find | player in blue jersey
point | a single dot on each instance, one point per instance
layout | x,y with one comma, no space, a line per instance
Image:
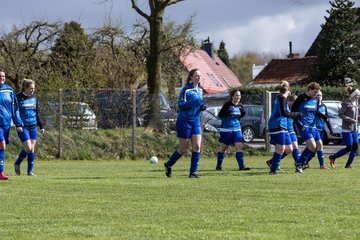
350,137
278,126
29,114
230,131
307,103
292,134
188,125
321,119
8,112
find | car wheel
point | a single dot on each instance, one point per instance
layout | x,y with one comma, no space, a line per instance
248,134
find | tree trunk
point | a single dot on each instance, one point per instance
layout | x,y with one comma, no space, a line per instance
154,69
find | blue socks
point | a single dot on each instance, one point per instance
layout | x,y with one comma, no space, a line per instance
31,160
240,159
320,155
275,161
352,155
195,159
283,155
296,154
173,159
306,154
340,153
220,158
21,157
2,158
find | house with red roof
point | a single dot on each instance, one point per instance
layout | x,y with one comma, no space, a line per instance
295,70
215,75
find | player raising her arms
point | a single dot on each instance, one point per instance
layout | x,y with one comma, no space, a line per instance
230,131
188,124
350,137
307,103
278,126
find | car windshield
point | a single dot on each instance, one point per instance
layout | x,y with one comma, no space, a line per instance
76,109
164,104
332,111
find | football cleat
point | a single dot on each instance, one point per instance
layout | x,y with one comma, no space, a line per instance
3,176
332,162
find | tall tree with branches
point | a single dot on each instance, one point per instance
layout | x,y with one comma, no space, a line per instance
154,61
338,45
23,51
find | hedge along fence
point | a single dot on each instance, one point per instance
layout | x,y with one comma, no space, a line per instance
256,95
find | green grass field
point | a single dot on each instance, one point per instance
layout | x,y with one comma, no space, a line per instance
134,200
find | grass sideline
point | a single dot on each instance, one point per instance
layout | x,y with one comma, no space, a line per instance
134,200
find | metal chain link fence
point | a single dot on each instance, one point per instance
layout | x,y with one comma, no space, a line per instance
102,109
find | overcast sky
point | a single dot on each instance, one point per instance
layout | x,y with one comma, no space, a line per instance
244,25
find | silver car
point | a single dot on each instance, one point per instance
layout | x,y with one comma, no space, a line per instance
74,115
333,108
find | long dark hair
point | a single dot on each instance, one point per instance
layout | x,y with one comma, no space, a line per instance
191,73
233,91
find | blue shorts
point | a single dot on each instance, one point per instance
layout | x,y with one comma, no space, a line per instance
280,138
185,128
308,133
28,133
321,134
349,138
4,134
230,138
293,137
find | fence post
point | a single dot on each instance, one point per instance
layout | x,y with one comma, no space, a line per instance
60,136
267,114
133,132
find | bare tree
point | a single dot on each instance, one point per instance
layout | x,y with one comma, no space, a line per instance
24,49
155,20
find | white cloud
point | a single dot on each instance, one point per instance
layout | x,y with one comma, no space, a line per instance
272,33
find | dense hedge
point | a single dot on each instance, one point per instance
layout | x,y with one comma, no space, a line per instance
256,95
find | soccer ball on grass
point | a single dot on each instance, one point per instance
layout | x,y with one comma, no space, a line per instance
154,160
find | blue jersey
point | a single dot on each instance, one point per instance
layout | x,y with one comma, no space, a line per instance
290,125
309,107
8,107
189,103
322,118
28,109
279,114
230,115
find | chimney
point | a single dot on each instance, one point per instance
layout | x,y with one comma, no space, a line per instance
290,48
208,47
291,54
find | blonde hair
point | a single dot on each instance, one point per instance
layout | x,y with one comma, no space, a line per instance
25,83
292,97
350,89
283,87
353,92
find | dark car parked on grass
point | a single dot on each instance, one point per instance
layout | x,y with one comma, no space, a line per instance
114,108
252,124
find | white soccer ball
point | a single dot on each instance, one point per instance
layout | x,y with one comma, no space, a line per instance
154,160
